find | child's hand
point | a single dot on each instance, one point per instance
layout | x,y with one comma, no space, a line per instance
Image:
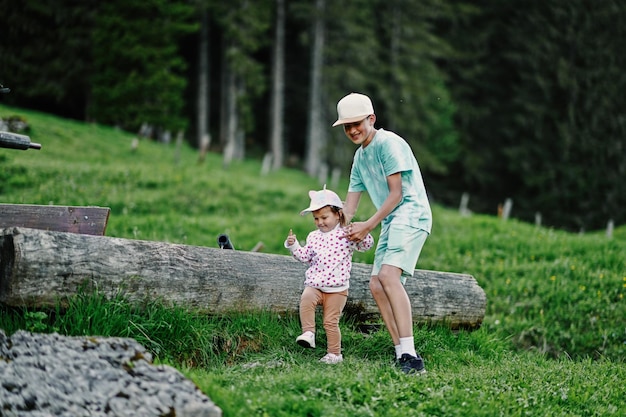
291,238
356,232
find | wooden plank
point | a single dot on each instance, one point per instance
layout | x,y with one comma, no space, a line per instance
40,268
90,220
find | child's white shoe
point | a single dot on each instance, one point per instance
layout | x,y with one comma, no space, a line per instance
306,339
331,358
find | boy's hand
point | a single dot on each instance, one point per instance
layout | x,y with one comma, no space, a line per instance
356,232
291,238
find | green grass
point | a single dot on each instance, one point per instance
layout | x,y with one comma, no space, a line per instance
515,385
553,340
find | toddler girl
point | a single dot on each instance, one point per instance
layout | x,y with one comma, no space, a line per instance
329,255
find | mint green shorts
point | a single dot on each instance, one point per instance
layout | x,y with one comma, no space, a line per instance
399,246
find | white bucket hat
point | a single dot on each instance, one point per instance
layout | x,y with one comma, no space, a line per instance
321,199
353,108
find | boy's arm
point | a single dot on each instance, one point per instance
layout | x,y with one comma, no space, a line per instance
351,204
358,231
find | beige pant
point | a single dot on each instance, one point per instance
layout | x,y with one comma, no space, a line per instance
332,305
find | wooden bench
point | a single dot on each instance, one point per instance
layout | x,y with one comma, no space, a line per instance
89,220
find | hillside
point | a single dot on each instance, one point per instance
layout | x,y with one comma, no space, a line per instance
553,341
550,290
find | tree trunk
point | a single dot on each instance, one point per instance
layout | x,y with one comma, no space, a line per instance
202,135
40,268
224,96
230,90
239,133
316,127
278,88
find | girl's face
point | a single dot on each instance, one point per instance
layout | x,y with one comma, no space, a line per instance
325,219
361,133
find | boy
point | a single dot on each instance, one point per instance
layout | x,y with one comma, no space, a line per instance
384,166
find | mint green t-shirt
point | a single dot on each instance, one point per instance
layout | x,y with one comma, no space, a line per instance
385,155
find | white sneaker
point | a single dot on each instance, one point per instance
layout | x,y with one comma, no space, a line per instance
306,339
332,358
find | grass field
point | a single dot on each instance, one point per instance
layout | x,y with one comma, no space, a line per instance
553,341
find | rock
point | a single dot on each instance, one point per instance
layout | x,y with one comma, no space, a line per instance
55,375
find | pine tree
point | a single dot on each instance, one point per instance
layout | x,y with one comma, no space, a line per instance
538,89
138,73
277,99
45,54
244,25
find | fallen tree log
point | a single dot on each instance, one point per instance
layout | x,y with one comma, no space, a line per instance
41,268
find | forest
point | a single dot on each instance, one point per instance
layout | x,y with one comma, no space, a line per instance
520,99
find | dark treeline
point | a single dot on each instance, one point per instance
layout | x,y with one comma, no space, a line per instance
515,99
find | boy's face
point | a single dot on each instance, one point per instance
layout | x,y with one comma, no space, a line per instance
362,132
325,219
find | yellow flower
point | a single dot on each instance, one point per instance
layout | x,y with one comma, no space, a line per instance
582,288
552,278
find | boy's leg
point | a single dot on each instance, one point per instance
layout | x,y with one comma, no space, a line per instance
398,299
408,359
309,300
333,307
393,302
398,249
384,306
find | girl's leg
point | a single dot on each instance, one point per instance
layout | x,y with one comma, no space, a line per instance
309,300
333,307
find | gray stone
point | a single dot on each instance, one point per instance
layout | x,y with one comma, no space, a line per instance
54,375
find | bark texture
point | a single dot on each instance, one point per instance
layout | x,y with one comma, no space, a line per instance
40,268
